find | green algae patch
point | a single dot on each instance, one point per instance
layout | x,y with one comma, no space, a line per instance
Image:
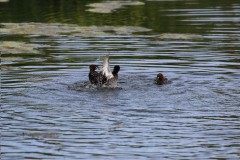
9,59
12,47
89,31
176,36
4,1
129,30
110,30
110,6
58,29
8,68
42,29
93,31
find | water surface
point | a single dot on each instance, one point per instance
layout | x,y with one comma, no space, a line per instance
45,114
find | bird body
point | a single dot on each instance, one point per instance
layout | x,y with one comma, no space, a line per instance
105,78
109,78
93,74
160,79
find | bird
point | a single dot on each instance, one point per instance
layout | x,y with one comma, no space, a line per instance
108,78
160,79
115,71
93,74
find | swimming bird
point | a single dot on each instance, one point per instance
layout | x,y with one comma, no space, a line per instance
115,71
107,77
160,79
93,74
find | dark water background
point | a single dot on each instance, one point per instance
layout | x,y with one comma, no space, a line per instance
46,115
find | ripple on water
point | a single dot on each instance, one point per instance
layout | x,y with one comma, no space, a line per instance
49,110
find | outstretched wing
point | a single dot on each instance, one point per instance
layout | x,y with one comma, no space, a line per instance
106,68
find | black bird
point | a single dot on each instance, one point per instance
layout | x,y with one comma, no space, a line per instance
93,74
160,79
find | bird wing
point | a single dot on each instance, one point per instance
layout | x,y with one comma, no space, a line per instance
106,68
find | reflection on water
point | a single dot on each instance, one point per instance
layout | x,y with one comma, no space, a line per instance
46,114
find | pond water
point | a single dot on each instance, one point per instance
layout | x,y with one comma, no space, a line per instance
47,47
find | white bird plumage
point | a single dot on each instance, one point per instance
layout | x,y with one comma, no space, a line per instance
106,68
